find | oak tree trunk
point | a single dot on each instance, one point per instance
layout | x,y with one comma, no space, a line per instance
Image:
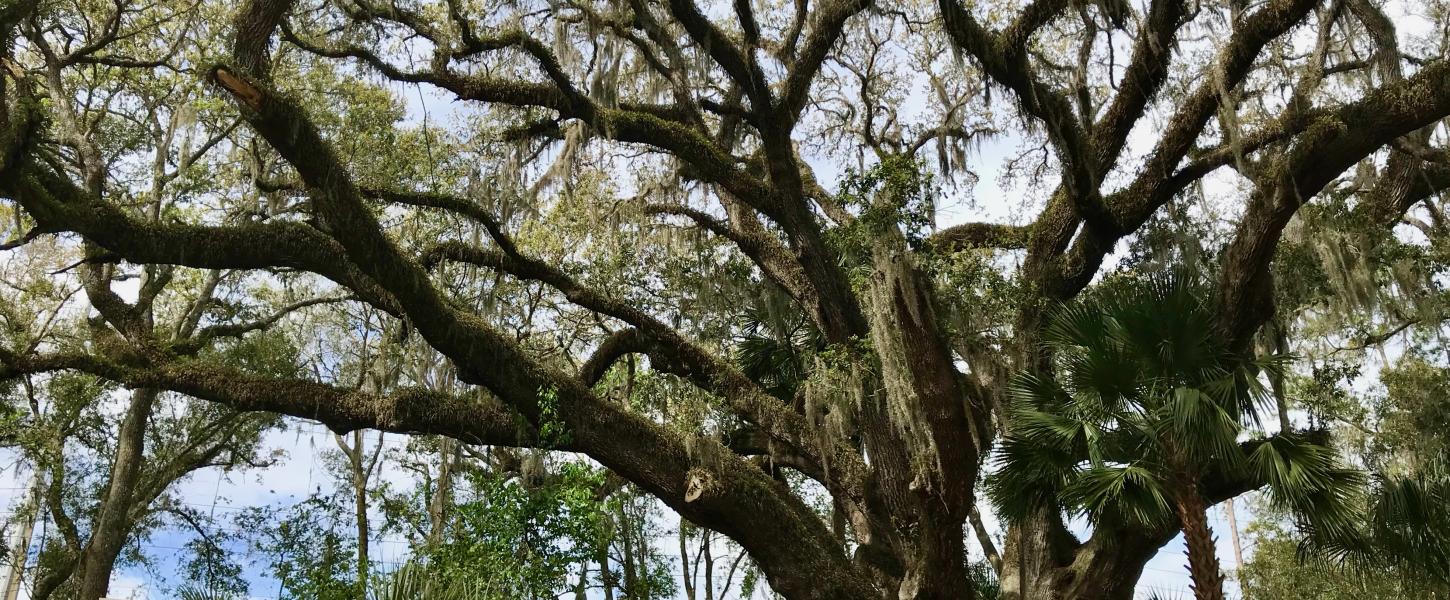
108,537
360,512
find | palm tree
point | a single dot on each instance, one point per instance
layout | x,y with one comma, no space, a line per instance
1405,532
1142,405
205,593
417,581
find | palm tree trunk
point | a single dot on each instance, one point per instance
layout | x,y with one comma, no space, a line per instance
1203,565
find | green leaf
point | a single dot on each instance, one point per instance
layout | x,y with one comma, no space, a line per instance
1130,493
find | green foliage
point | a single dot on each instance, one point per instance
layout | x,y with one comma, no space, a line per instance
1276,571
1325,392
641,571
1413,417
983,301
984,581
1403,530
1398,535
894,197
210,569
1308,478
773,346
305,547
420,581
189,592
1144,396
553,432
515,541
1409,523
271,352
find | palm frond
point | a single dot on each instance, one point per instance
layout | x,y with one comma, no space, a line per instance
188,592
1410,522
1081,325
774,364
1200,426
1027,478
1129,493
416,581
1030,390
1309,479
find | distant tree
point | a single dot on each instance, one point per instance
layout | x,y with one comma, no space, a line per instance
306,548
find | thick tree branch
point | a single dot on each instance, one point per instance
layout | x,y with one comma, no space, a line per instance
768,253
669,352
980,235
1325,150
1007,64
58,206
613,348
737,63
1156,184
211,333
739,505
1142,80
827,25
1132,205
472,419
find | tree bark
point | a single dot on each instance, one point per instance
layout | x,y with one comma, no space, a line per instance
708,565
627,562
360,512
685,578
361,473
113,524
1203,565
606,577
443,490
21,551
1233,532
581,586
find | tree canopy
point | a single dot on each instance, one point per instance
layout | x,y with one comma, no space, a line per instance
718,250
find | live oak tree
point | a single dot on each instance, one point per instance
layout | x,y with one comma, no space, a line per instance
106,480
679,149
106,460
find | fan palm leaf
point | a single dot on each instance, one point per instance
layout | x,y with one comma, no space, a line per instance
1142,403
